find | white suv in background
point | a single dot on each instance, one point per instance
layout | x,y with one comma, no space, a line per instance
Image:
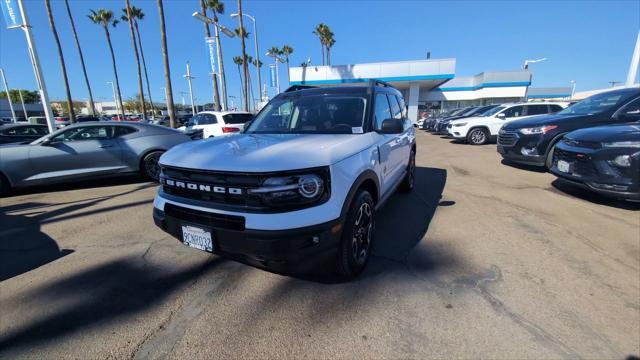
216,123
479,130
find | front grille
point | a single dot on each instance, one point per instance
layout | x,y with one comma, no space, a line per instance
206,219
582,165
507,137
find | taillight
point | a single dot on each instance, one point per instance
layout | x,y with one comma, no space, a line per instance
229,129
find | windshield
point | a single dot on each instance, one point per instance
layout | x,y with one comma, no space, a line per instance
493,111
594,104
315,114
470,112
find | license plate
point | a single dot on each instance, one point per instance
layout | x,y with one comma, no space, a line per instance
564,166
197,238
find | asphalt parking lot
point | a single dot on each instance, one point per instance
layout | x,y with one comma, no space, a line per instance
481,260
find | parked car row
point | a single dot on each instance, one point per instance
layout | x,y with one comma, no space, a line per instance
594,143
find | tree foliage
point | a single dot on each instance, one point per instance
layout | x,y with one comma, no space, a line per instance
30,97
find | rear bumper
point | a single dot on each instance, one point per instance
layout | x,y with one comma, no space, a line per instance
286,251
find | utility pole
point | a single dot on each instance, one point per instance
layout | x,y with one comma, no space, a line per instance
6,89
24,109
189,77
115,99
635,62
245,66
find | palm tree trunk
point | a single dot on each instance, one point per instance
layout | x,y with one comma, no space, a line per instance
245,66
328,56
115,70
84,68
72,114
321,44
135,51
144,65
288,78
167,71
242,90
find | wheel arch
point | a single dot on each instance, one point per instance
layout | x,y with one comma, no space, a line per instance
367,180
144,154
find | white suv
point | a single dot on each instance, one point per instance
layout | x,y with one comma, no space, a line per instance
299,187
216,123
479,130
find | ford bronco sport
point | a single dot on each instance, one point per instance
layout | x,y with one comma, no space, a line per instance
299,186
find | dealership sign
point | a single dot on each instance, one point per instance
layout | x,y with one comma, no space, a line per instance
210,44
11,13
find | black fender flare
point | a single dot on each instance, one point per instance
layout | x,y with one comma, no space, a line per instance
367,175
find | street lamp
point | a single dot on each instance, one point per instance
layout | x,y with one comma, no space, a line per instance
217,28
276,59
115,99
525,66
189,77
255,38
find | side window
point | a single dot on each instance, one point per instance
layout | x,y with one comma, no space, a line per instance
85,133
403,107
395,107
514,111
122,130
42,130
211,119
631,111
537,109
554,108
382,112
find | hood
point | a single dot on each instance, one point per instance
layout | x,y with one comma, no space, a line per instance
626,132
541,120
266,152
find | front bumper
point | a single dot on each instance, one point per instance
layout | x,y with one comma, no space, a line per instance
286,251
511,144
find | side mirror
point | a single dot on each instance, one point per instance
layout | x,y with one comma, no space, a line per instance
501,116
392,126
46,142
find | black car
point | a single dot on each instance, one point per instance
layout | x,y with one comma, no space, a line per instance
21,133
441,128
531,141
603,159
431,126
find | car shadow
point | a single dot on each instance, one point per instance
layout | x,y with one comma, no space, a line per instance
538,169
82,184
567,188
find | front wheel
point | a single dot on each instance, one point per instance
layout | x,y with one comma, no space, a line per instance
478,136
549,159
150,166
355,245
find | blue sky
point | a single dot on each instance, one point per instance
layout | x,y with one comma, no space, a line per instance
587,41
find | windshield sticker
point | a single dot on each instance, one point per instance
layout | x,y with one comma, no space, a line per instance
357,130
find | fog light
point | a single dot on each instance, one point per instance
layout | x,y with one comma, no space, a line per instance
529,152
622,161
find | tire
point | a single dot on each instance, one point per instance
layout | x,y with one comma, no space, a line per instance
548,162
477,136
150,167
4,186
357,235
407,183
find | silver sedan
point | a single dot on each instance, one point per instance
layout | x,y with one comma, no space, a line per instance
87,150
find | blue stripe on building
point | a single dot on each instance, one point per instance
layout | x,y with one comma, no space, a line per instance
484,85
364,80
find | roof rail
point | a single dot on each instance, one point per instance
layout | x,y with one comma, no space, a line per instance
299,87
376,82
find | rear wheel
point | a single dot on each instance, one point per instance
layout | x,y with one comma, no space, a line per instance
4,185
150,166
355,245
478,136
409,178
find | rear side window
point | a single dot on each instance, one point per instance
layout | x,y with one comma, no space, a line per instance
236,118
537,109
383,111
555,108
395,107
209,119
123,130
514,111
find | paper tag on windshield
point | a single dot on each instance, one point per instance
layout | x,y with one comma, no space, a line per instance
357,130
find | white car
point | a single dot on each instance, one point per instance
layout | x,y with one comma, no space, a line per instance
216,123
478,130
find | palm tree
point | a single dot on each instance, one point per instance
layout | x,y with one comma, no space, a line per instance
216,7
329,43
84,68
72,114
167,71
238,61
129,18
245,66
320,32
286,51
137,14
105,18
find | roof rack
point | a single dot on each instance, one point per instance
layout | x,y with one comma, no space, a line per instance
376,82
299,87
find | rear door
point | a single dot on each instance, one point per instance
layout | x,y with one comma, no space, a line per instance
75,153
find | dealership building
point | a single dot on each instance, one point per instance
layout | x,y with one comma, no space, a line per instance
432,84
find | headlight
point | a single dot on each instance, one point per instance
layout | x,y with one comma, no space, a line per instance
621,161
294,191
622,144
459,124
538,130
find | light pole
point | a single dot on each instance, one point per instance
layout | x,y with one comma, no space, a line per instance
217,28
189,77
525,66
232,104
24,109
573,88
276,59
6,89
255,38
115,99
